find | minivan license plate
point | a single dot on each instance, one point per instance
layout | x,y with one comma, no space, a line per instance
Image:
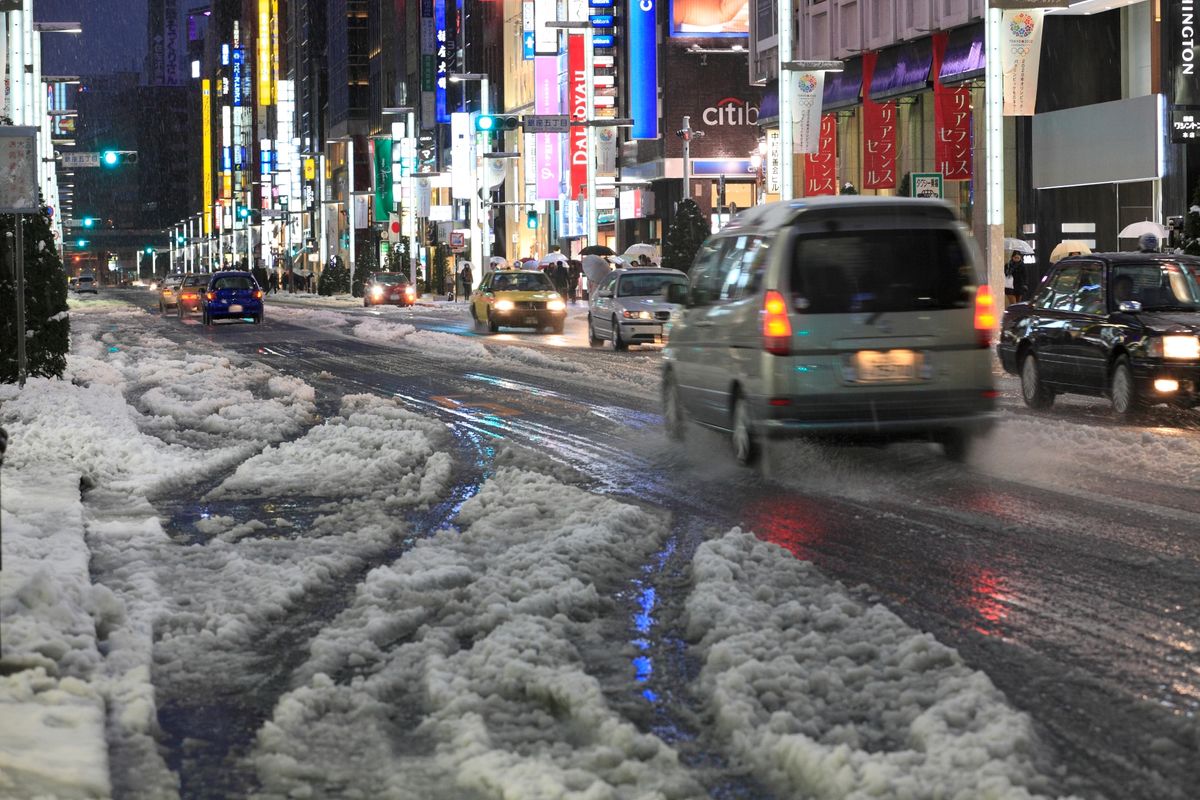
235,309
886,366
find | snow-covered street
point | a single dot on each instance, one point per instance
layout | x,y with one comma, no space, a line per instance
368,553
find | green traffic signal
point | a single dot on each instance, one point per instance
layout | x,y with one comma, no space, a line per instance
110,158
116,158
243,212
491,123
81,243
149,250
531,220
89,222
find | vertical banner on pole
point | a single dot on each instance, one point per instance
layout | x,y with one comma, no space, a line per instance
774,161
879,134
808,95
577,88
951,120
643,68
1020,58
462,156
820,168
384,202
549,145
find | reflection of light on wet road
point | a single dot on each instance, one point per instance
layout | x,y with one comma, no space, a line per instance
989,598
789,521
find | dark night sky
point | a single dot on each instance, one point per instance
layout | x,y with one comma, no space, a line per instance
113,38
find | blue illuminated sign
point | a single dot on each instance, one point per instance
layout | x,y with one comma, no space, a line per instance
601,20
528,44
601,3
226,159
603,40
441,59
643,69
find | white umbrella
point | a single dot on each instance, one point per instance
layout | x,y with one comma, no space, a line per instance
496,262
595,268
1139,229
553,258
1067,247
640,249
1019,245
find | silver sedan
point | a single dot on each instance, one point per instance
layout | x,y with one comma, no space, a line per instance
629,306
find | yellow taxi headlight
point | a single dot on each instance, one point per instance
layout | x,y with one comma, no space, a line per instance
504,305
1181,347
556,305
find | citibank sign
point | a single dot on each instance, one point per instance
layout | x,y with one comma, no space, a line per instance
730,111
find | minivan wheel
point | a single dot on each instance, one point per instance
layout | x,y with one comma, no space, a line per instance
956,445
1033,391
593,339
1123,391
673,414
745,447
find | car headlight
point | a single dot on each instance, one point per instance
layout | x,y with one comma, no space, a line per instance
556,305
504,305
637,315
1182,347
376,291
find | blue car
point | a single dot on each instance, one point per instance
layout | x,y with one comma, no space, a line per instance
233,295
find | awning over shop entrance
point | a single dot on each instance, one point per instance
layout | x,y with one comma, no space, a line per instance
965,57
842,89
902,70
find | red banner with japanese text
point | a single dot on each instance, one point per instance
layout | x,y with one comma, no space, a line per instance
577,79
879,134
951,121
820,168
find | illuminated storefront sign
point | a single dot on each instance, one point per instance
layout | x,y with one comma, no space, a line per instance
207,145
549,145
577,87
643,69
264,53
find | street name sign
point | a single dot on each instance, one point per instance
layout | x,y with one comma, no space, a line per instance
79,160
546,123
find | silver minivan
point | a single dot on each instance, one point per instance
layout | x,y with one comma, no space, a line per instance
863,318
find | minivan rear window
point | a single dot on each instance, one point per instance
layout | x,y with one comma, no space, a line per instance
881,271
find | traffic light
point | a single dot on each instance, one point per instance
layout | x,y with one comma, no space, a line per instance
149,250
243,212
116,158
89,222
180,240
531,220
497,123
81,242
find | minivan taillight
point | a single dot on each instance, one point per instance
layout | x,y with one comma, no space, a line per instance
258,294
211,295
985,315
776,327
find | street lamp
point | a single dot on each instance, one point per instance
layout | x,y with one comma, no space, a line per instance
787,69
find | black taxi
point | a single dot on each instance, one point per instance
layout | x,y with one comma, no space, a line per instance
1120,325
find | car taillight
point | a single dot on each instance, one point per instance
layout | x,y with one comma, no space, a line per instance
985,315
776,327
190,296
258,294
211,295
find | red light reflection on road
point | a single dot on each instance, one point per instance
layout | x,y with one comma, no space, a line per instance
989,598
789,521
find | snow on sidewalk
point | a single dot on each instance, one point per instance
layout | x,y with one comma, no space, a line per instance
825,697
52,717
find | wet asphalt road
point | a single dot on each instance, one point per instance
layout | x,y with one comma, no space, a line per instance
1080,598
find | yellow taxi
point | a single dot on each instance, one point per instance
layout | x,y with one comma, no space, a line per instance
517,298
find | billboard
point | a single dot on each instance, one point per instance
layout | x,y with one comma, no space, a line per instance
722,103
710,17
643,69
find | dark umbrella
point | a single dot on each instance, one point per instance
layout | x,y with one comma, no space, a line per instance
597,250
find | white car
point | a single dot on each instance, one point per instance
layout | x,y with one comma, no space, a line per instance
630,306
